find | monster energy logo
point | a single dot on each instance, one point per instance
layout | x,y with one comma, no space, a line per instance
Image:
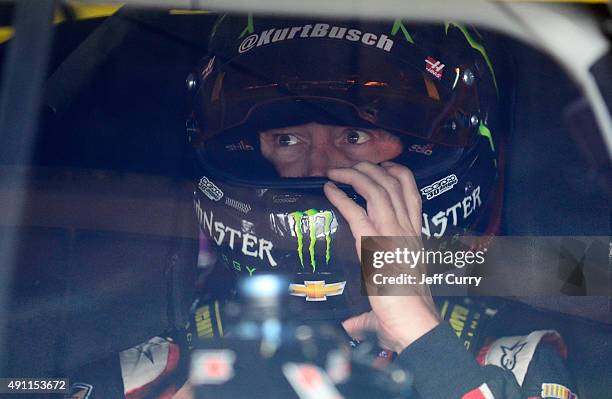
317,224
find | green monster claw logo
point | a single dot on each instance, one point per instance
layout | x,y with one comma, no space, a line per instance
309,218
399,25
476,46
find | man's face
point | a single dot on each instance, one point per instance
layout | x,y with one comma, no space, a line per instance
312,149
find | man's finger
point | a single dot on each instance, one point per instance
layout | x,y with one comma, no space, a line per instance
356,326
410,191
379,207
355,215
394,189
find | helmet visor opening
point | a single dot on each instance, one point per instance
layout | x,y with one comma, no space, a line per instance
376,88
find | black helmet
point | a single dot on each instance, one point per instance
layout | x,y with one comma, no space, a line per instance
432,86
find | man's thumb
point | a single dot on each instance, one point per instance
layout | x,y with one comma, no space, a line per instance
356,326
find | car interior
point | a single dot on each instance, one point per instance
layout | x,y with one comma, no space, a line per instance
105,238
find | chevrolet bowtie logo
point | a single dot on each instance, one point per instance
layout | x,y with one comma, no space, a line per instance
316,290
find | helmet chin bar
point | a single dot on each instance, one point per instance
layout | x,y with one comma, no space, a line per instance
289,227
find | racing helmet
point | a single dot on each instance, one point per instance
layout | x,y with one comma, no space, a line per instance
433,87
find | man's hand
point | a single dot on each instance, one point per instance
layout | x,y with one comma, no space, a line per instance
393,209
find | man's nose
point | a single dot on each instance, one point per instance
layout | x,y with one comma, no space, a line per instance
325,156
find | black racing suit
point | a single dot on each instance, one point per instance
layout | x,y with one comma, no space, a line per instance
457,359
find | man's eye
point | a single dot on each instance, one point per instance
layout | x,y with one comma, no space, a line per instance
285,140
357,137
